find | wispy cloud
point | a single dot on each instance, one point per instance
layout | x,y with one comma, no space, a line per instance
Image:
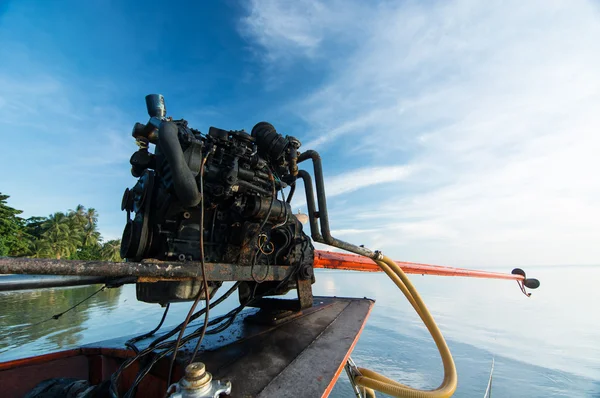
359,179
498,99
300,28
354,180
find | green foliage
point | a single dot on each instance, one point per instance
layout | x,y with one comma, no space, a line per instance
33,226
111,250
62,233
89,253
13,238
3,247
73,234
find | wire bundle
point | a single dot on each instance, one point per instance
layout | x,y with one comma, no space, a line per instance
164,345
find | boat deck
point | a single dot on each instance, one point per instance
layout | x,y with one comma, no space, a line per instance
302,356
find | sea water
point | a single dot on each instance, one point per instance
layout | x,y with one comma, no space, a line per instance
547,345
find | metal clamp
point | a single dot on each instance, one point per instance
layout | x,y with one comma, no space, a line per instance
353,372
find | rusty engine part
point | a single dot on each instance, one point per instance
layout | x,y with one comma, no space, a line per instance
245,223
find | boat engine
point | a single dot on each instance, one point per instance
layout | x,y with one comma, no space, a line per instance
218,191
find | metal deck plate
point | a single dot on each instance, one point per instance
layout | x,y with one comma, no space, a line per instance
301,357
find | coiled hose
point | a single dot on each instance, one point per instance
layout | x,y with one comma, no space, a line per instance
368,379
375,381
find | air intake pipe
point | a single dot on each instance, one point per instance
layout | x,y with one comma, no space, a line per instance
184,180
270,143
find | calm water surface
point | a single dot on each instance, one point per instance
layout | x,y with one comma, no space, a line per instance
544,346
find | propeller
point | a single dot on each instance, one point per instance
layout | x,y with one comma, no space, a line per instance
530,283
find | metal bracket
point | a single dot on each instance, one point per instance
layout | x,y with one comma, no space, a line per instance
217,388
304,300
352,372
274,311
305,296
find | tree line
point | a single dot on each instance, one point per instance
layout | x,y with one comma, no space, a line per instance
68,235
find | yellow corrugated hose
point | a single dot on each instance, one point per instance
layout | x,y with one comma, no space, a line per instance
369,393
375,381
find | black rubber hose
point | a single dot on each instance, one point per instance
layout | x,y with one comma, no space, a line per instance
184,180
321,198
310,203
322,212
270,143
291,194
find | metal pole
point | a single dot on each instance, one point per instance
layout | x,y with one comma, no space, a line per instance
353,262
146,271
24,282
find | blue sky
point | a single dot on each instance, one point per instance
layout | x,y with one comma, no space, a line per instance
453,132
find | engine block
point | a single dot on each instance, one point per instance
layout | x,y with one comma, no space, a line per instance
218,190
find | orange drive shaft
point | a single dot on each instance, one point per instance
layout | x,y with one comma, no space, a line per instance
353,262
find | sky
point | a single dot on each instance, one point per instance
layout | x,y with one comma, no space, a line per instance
462,133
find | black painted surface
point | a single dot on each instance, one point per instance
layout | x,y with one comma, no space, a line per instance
296,358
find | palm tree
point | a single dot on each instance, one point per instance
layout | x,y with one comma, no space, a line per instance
91,236
77,220
78,216
61,235
91,216
40,249
111,250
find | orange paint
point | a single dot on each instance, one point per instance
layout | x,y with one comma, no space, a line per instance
338,372
354,262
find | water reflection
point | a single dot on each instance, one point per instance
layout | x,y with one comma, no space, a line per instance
24,315
109,314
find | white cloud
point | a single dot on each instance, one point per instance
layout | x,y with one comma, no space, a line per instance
365,177
357,179
302,27
276,28
500,101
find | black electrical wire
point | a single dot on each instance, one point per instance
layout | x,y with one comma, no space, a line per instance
155,344
143,373
194,317
168,346
285,217
212,229
262,225
285,233
205,282
181,332
133,388
131,342
230,317
266,219
280,186
56,316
